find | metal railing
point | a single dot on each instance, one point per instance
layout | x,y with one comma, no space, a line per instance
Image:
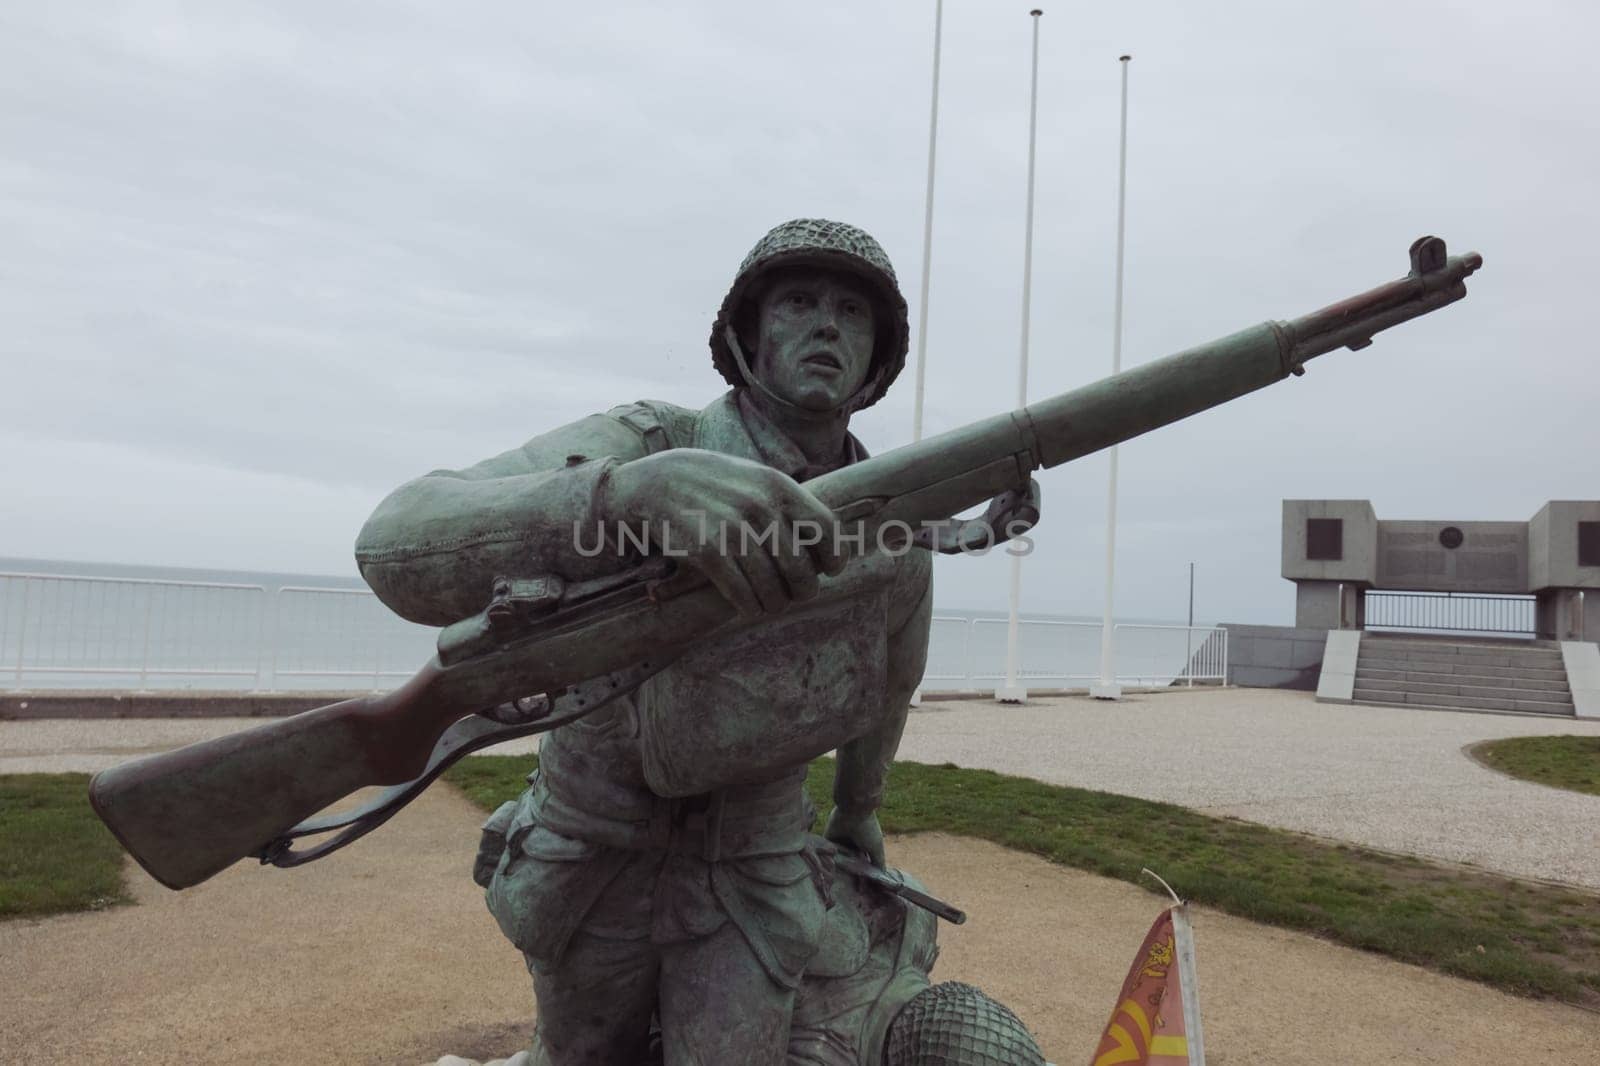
73,631
65,627
1450,612
342,635
967,653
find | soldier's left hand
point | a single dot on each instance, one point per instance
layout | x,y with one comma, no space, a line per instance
859,831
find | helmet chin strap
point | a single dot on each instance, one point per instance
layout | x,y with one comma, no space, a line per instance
844,410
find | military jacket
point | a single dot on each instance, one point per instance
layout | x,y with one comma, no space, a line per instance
743,711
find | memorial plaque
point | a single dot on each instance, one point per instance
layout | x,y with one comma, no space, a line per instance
1453,557
1486,566
1410,563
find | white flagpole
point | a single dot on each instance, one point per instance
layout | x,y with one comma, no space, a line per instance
1012,691
927,230
927,253
1107,688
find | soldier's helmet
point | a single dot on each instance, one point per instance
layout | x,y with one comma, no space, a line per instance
954,1024
832,246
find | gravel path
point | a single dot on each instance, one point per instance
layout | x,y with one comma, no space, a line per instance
1390,778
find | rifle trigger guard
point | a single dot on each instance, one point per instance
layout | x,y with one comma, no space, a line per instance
1008,516
520,711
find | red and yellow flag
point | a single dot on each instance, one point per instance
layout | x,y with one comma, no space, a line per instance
1157,1018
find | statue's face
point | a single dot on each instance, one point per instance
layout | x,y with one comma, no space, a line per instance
816,333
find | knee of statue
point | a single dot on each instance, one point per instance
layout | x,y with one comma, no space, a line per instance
955,1024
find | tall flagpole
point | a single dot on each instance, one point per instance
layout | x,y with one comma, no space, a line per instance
1107,688
927,230
927,252
1012,691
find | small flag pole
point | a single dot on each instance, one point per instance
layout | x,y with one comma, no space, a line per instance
1156,1019
1189,985
1157,877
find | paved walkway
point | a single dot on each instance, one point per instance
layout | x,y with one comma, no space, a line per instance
1389,778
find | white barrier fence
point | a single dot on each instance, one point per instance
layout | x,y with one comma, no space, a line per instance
970,653
72,631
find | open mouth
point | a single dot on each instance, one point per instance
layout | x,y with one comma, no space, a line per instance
823,359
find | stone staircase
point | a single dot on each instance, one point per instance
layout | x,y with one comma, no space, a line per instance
1481,675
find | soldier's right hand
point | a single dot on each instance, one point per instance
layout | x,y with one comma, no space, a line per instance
757,534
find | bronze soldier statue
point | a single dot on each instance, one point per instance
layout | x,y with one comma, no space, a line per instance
658,862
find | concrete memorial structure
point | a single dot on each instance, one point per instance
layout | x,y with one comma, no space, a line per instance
1352,572
1336,551
1524,597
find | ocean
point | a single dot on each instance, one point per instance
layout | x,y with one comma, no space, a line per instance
77,625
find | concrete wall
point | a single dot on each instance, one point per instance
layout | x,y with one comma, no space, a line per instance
1317,604
1539,548
1510,558
1337,682
1275,656
1492,557
1360,560
98,704
1553,546
1582,661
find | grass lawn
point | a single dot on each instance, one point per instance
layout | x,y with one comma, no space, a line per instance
1566,762
55,855
1522,937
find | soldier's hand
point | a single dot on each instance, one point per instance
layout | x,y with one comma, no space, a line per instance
757,534
859,831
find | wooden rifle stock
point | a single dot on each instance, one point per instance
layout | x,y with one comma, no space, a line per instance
189,813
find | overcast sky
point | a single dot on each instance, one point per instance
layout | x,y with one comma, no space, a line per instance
259,264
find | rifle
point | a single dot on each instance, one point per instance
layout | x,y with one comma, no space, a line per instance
188,814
